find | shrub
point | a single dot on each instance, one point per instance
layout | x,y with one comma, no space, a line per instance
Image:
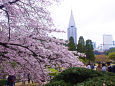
75,75
101,58
84,60
82,77
53,72
98,81
112,56
2,82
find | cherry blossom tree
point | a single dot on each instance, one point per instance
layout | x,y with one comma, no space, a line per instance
25,46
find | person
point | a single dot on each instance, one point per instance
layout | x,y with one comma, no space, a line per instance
99,67
7,80
88,66
104,68
109,68
14,79
28,77
11,80
93,66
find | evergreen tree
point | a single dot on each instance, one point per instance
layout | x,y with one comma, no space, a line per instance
71,44
81,45
89,50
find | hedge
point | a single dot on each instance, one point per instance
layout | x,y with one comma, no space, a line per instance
77,76
2,82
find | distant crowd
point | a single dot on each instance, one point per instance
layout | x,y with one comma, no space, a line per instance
102,67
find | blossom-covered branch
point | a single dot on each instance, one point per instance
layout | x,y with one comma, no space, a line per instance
12,2
30,48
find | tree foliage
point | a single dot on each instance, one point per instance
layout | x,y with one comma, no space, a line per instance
89,50
96,52
71,44
112,56
101,58
81,45
25,46
109,51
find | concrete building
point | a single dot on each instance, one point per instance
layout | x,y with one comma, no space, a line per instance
94,45
107,41
114,43
72,30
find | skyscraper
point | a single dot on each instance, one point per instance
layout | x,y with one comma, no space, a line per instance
94,45
107,41
72,29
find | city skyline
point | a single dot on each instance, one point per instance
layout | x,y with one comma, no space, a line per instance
93,18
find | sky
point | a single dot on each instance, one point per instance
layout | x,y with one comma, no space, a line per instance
93,18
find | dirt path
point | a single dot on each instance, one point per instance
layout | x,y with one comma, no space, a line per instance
26,84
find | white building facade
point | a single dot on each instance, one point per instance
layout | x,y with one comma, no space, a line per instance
72,30
107,42
94,45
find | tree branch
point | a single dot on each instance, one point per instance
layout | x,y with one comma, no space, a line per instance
8,21
6,45
2,6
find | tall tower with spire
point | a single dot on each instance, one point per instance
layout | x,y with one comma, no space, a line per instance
72,29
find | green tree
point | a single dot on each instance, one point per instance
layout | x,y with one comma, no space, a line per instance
71,44
81,45
112,56
109,51
89,50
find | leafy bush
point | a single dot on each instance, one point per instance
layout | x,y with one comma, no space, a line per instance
2,82
98,81
112,56
101,58
75,75
53,72
84,60
82,77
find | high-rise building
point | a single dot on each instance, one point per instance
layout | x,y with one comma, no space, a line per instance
94,45
114,43
100,48
107,41
72,29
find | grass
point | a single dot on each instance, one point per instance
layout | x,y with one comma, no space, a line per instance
112,64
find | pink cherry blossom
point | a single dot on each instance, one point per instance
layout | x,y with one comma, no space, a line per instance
25,46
